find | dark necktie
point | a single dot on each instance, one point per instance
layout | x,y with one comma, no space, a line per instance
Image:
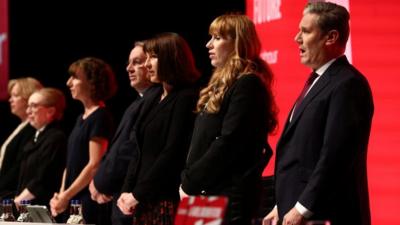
307,86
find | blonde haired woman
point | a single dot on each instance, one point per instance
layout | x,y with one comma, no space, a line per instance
11,150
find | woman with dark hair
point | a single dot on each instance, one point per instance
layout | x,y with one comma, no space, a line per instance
236,111
91,82
162,132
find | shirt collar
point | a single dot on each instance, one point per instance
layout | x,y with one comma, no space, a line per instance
324,67
41,129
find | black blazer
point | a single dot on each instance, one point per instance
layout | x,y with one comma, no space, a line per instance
110,176
226,151
12,161
43,164
163,134
321,155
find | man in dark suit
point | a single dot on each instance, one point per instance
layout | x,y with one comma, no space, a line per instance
321,156
109,178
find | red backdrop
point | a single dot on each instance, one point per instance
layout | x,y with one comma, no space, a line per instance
374,48
3,48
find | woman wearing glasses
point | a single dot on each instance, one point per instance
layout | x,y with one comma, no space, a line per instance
44,155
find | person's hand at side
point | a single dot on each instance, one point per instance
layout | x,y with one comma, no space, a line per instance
127,203
93,191
25,195
102,198
97,196
272,217
293,217
59,203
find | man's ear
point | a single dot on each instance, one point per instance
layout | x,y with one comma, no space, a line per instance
332,37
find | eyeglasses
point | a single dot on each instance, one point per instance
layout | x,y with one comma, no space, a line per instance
35,105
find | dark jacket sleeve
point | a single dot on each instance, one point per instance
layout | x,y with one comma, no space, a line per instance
12,161
111,173
163,174
130,178
242,135
110,176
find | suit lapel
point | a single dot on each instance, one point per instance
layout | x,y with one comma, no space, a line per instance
285,127
158,106
121,125
128,117
315,90
149,100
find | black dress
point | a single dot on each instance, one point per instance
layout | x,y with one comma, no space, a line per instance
97,124
228,150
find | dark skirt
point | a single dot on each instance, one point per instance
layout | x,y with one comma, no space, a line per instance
157,213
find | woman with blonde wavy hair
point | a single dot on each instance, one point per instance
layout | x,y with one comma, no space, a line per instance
236,111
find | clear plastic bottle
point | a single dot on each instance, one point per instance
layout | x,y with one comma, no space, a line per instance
7,214
80,219
23,212
75,213
72,213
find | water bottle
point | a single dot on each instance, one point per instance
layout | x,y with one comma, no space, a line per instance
75,213
72,213
79,217
7,214
23,212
